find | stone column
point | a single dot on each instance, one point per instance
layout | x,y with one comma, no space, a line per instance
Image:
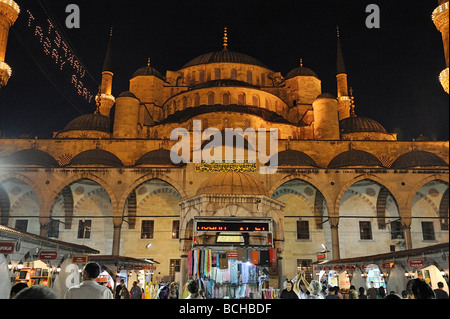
183,273
116,239
334,225
406,226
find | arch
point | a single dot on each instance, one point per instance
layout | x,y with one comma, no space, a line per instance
143,179
303,178
346,186
85,175
444,209
5,206
37,190
417,186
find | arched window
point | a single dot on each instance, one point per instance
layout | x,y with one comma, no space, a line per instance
196,100
226,99
241,99
202,76
233,74
267,105
255,100
211,98
263,79
217,74
184,102
249,77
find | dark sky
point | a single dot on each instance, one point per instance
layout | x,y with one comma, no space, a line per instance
394,70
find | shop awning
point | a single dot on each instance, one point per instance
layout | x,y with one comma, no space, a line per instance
25,246
121,260
391,255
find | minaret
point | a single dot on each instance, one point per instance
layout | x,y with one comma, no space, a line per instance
440,18
105,99
9,12
342,84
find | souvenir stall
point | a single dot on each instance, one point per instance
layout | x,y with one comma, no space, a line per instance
33,259
232,259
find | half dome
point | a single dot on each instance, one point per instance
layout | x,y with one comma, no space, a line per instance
160,157
354,158
418,159
31,157
294,158
96,157
232,183
224,56
147,71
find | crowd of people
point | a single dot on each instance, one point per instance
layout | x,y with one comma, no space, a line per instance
415,289
300,289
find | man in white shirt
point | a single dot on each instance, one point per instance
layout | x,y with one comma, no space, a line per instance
89,288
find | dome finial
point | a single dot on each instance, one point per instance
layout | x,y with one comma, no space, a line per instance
337,31
301,62
225,38
148,62
111,32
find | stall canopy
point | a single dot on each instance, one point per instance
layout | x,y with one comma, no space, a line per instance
28,247
426,252
113,263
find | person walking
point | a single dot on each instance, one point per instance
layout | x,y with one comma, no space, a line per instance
288,293
440,292
124,293
381,293
136,291
333,293
419,289
89,288
372,292
192,287
362,294
118,288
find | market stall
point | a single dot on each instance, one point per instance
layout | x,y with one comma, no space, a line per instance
32,259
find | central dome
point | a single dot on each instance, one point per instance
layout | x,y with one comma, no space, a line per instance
232,183
224,56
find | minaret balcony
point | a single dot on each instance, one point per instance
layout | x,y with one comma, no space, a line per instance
5,73
443,78
440,16
9,10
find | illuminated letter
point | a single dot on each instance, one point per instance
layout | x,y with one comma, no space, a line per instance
373,20
184,144
73,19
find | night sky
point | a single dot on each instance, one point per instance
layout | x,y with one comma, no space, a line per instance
393,70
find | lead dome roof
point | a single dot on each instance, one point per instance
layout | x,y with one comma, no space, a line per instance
224,56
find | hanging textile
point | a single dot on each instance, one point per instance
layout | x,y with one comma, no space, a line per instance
255,257
244,272
240,254
223,261
234,276
273,255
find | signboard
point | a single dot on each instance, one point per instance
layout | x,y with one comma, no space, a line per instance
6,247
350,267
338,268
79,259
48,255
321,256
387,265
232,226
416,263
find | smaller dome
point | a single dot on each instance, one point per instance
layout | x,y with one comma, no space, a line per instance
294,158
301,71
147,71
354,158
96,157
355,124
160,157
326,96
232,183
90,122
31,157
128,94
418,159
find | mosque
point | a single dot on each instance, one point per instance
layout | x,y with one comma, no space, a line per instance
342,180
